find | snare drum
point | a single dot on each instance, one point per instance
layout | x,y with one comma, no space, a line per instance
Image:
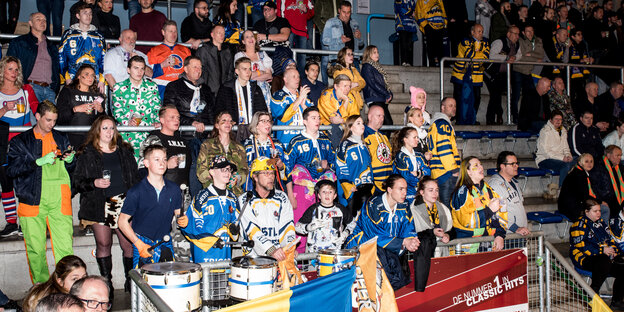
252,277
335,260
177,283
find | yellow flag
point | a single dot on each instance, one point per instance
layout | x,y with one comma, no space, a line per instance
373,290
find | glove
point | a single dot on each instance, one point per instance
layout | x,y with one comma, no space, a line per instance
182,221
219,243
143,249
315,224
48,159
69,158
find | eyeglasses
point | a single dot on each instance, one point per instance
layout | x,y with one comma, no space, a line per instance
267,172
94,304
512,164
225,170
265,121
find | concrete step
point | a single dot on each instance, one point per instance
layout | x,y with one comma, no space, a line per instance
396,87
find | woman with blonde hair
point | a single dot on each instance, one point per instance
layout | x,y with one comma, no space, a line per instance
377,89
577,187
261,144
261,63
344,65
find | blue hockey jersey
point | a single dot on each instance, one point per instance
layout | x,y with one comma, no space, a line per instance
255,149
308,152
405,165
286,113
78,47
353,167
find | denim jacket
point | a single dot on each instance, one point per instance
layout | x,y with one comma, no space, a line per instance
333,32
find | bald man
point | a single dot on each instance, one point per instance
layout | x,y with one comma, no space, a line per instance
378,146
116,59
535,107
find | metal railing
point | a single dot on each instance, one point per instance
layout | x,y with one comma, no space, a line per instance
143,297
508,74
368,22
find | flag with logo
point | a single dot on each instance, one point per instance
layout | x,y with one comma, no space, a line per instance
373,290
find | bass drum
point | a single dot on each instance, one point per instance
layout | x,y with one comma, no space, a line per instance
177,283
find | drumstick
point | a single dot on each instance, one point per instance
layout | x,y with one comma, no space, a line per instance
295,242
182,190
166,238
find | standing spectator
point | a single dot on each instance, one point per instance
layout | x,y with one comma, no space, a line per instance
102,195
483,16
578,55
445,159
312,70
216,61
585,137
261,63
431,18
8,18
337,104
53,12
116,59
500,22
148,24
288,105
376,90
80,103
616,137
416,120
536,11
608,108
225,17
82,44
578,13
196,28
503,49
378,146
562,18
523,16
507,187
345,66
467,78
272,29
418,100
73,10
168,57
339,32
297,12
560,101
457,16
105,21
546,26
222,142
406,26
532,49
535,106
38,57
553,151
409,163
596,32
42,186
135,102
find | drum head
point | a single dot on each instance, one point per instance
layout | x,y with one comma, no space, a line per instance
338,252
170,267
254,262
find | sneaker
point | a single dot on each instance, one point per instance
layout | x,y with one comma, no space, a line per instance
10,229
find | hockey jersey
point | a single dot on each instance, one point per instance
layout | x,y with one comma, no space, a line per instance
470,48
616,227
405,163
471,215
285,113
445,156
432,13
380,154
353,166
338,224
308,152
588,238
209,217
329,106
254,149
81,47
158,54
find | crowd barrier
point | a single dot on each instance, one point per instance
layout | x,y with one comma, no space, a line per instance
553,284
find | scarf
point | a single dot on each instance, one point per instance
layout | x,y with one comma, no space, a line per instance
433,215
618,193
244,109
382,71
196,98
297,119
483,195
591,191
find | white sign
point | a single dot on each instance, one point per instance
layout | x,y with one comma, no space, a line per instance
363,6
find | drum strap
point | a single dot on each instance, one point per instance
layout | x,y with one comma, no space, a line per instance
269,282
337,264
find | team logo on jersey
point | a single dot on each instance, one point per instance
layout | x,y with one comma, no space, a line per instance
383,153
178,63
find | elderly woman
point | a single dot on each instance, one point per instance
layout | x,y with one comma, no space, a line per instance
377,90
261,144
559,100
261,63
222,142
576,188
338,103
344,65
475,207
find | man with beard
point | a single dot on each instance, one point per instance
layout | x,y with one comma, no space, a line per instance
196,28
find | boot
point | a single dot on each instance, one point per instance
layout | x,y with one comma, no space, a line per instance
127,263
105,265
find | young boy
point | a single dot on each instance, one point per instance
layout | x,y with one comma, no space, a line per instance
210,214
151,204
326,223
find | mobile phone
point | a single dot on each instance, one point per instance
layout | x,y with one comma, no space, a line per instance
67,151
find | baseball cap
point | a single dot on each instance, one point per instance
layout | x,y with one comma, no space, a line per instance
270,4
220,161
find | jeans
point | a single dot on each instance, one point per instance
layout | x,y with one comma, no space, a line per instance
324,63
53,11
557,165
44,93
299,42
133,8
519,82
446,190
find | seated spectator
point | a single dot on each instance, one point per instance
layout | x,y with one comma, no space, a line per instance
93,293
216,62
433,223
607,179
392,237
60,303
135,102
476,207
593,249
38,56
285,63
326,223
312,70
297,12
585,138
82,44
225,17
532,48
241,97
409,163
606,103
147,24
116,59
67,271
534,110
261,63
168,57
221,142
261,144
196,28
272,30
377,91
80,103
191,96
560,101
338,103
415,120
288,105
353,169
588,103
507,187
344,66
553,151
616,137
562,18
576,188
105,21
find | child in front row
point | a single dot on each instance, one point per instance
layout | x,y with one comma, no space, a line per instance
327,223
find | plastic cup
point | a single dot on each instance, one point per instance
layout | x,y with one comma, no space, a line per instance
106,174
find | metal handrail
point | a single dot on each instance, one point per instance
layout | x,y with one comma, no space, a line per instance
368,21
138,283
182,128
566,65
482,239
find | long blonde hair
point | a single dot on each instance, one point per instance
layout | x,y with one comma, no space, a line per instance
3,63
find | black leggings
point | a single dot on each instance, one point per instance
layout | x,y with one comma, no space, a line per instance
602,267
359,198
104,240
5,181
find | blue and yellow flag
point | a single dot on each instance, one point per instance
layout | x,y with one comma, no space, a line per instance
327,293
